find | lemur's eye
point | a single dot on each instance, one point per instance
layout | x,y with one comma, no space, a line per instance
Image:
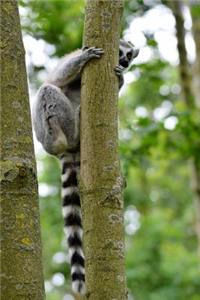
129,55
120,52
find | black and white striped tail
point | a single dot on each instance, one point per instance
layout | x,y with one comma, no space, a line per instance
71,210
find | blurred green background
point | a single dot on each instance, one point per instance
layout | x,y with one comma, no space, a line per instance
159,137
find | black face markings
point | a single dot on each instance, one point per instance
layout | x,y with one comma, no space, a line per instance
77,259
125,57
78,276
129,55
72,199
124,63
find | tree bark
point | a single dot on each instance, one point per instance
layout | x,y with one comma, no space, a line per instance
100,181
185,73
21,244
189,97
194,8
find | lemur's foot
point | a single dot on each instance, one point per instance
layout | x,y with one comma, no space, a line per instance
93,52
119,70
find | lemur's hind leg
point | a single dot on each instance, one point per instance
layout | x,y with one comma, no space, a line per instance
57,117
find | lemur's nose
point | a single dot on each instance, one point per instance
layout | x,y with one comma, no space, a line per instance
123,63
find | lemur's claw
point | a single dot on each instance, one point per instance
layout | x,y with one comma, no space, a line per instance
93,52
119,70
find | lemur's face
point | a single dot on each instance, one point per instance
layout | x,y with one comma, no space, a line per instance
127,52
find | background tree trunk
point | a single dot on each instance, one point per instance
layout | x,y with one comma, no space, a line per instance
189,97
101,181
21,245
194,8
196,89
185,72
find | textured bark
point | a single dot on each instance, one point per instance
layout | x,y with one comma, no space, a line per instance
196,89
101,182
185,73
21,267
196,32
189,96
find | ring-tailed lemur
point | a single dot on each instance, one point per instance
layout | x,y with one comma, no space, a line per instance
56,122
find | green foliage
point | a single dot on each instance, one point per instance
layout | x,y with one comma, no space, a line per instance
59,23
159,261
195,9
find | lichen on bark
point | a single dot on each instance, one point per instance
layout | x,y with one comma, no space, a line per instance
21,269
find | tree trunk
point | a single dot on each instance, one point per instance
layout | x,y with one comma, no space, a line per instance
196,88
188,94
195,8
21,244
185,74
101,181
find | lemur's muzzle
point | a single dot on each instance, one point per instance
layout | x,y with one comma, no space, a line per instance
124,63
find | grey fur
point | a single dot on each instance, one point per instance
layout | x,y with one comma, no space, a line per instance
56,118
56,112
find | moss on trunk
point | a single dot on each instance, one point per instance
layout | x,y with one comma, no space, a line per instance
21,245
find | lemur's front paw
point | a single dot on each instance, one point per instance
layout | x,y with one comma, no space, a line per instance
119,70
93,52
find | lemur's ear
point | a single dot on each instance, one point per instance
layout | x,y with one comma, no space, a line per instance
135,52
130,43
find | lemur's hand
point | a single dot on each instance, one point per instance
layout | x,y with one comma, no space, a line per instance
92,52
119,70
